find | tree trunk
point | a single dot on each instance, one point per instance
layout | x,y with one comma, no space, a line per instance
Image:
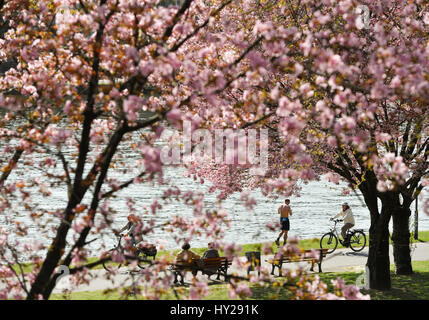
53,256
105,164
378,262
401,240
378,258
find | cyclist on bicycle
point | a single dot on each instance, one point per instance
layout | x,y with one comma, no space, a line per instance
130,226
347,215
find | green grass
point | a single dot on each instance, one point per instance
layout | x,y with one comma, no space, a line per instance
423,236
412,287
87,295
217,292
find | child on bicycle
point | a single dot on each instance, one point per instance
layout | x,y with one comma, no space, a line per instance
347,215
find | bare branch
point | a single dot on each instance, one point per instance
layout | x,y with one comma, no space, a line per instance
12,162
185,6
205,23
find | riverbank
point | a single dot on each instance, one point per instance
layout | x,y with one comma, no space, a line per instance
305,244
410,287
342,263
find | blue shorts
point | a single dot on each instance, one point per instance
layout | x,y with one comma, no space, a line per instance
285,224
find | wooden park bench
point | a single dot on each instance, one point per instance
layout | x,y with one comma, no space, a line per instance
305,256
208,266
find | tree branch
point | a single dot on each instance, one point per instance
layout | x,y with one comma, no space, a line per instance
178,45
185,6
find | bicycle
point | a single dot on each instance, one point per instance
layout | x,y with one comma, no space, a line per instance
140,253
357,239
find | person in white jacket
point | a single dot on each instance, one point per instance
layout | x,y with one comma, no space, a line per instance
349,221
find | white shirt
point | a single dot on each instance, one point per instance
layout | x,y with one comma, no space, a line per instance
347,216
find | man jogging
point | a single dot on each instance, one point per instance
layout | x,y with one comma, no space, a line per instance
284,211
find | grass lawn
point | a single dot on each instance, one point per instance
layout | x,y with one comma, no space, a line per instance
412,287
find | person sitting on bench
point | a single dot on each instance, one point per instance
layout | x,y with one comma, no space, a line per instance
210,253
186,256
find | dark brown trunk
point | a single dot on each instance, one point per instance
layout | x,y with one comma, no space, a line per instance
378,262
54,255
57,247
106,160
401,240
378,258
11,165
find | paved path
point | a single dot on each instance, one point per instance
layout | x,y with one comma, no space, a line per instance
346,259
340,260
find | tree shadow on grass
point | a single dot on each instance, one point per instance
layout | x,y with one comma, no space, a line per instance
420,240
410,287
286,293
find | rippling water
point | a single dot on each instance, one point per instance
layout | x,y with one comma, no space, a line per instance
311,211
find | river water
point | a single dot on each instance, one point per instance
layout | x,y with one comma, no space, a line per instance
318,202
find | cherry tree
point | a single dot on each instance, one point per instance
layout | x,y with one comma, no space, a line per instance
89,88
341,96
